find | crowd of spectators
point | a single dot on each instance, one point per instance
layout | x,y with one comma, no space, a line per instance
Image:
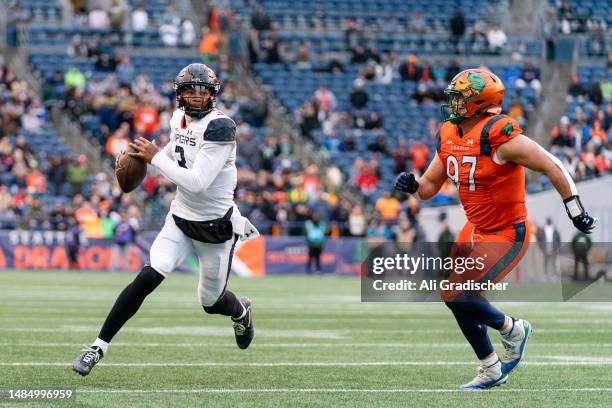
584,138
30,177
121,19
567,17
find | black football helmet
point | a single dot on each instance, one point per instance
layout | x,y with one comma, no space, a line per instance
198,77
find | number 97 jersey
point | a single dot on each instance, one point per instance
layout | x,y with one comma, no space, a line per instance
492,192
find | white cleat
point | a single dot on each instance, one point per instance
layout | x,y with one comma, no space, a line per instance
514,343
488,377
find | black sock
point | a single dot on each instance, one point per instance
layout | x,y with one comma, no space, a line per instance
129,301
227,305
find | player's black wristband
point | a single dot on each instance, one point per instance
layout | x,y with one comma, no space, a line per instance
573,206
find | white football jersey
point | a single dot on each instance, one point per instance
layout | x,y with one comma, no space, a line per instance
212,140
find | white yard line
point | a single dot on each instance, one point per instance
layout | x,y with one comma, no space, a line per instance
591,362
316,333
298,345
332,390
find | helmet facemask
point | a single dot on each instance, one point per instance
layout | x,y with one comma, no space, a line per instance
454,110
196,99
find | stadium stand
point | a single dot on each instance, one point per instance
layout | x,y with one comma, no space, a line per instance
361,80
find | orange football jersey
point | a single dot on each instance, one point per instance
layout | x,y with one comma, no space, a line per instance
492,194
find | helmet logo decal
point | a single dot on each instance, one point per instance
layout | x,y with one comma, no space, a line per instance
474,87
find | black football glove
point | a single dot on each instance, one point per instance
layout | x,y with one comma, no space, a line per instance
581,219
406,182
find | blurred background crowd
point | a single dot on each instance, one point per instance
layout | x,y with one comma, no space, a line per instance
358,83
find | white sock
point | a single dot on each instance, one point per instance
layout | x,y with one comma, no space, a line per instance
489,361
102,344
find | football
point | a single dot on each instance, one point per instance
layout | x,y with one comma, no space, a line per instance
130,171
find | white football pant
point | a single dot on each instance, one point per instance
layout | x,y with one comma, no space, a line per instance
172,246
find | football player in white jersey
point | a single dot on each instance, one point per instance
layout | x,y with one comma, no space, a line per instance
200,160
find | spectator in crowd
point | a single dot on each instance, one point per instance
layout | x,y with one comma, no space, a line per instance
405,235
388,207
377,232
74,78
359,55
446,238
581,245
209,44
335,65
549,31
325,99
98,19
332,144
259,20
419,153
410,70
359,97
367,180
517,111
563,134
359,120
352,36
271,47
549,242
124,234
125,71
478,38
457,29
530,76
497,39
169,32
357,222
308,120
315,238
187,33
302,59
73,242
56,175
401,155
77,173
385,71
35,181
77,48
417,23
117,15
140,18
374,122
119,141
575,90
606,89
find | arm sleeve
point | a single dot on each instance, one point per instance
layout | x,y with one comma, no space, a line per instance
208,163
168,150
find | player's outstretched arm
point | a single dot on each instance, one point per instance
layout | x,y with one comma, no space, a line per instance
526,152
428,185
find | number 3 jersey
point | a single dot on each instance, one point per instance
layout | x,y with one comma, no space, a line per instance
200,158
492,192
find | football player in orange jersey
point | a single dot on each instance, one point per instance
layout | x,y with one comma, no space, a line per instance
484,153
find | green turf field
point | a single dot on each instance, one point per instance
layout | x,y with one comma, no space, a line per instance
315,345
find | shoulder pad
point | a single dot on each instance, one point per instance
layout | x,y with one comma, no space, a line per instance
485,141
220,130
